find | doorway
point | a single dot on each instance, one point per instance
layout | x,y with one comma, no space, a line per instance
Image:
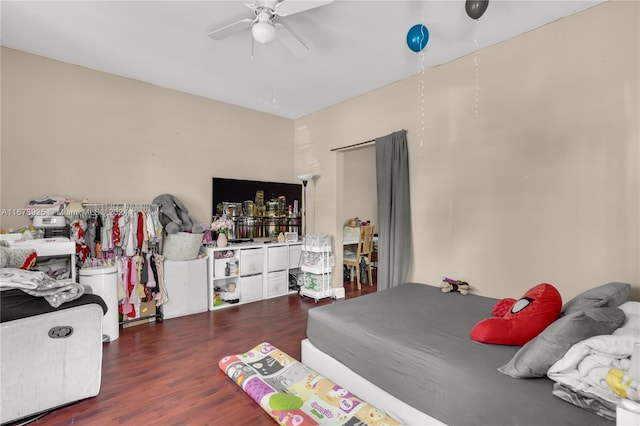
359,191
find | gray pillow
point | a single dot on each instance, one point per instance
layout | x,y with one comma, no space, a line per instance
536,357
610,294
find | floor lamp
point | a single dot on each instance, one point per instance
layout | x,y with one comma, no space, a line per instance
305,179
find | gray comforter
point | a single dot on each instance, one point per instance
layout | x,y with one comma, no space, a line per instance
413,342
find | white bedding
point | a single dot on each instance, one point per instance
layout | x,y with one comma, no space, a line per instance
314,358
37,283
584,367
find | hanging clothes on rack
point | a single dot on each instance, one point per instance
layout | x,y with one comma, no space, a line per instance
140,235
131,228
121,290
115,233
107,237
152,272
129,244
153,235
126,235
90,236
98,238
160,295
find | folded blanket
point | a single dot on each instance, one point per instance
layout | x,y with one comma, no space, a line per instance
593,404
585,366
37,283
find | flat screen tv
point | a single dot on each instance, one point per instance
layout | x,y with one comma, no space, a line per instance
239,190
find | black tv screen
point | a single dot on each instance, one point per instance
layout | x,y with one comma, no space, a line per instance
238,190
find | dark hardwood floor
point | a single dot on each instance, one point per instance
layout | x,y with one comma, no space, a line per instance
167,373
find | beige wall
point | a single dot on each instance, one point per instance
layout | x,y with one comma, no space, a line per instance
537,183
74,132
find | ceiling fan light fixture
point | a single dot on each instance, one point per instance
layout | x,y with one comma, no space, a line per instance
263,32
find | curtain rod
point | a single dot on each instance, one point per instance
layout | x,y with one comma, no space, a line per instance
353,145
358,144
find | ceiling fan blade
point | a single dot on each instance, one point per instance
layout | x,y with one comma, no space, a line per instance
290,41
251,6
227,30
290,7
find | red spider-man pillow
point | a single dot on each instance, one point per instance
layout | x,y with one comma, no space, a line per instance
515,322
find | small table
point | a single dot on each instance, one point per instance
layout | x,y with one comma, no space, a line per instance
47,247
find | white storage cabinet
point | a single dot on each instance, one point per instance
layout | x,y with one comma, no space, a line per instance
223,275
186,284
47,248
262,271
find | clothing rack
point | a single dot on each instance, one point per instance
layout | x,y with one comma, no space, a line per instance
91,210
121,206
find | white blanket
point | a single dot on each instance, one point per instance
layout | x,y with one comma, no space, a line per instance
37,283
585,366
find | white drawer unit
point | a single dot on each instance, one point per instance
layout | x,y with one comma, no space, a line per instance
295,251
251,288
277,283
277,258
263,272
251,261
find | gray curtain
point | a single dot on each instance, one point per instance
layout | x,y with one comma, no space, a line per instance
394,209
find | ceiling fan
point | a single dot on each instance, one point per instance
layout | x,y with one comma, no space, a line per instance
264,23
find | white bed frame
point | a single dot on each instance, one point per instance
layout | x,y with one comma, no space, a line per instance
337,372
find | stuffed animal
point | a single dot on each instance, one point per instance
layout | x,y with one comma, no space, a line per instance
16,258
174,216
623,385
449,284
515,322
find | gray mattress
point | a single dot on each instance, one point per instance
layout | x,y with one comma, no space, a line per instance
413,342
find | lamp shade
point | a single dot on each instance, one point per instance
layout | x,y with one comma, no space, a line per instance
263,32
306,177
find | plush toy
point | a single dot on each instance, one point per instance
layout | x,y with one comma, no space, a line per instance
449,284
174,216
16,258
515,322
623,385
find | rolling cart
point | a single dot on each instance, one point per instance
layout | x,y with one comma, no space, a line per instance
317,264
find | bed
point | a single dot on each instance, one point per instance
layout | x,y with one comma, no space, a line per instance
407,351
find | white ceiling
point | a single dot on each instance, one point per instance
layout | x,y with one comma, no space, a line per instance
354,46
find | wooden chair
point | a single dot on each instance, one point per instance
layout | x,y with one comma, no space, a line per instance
364,249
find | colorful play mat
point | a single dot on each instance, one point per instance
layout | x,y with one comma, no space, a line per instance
293,394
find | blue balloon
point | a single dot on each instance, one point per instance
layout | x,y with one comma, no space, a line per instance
417,37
